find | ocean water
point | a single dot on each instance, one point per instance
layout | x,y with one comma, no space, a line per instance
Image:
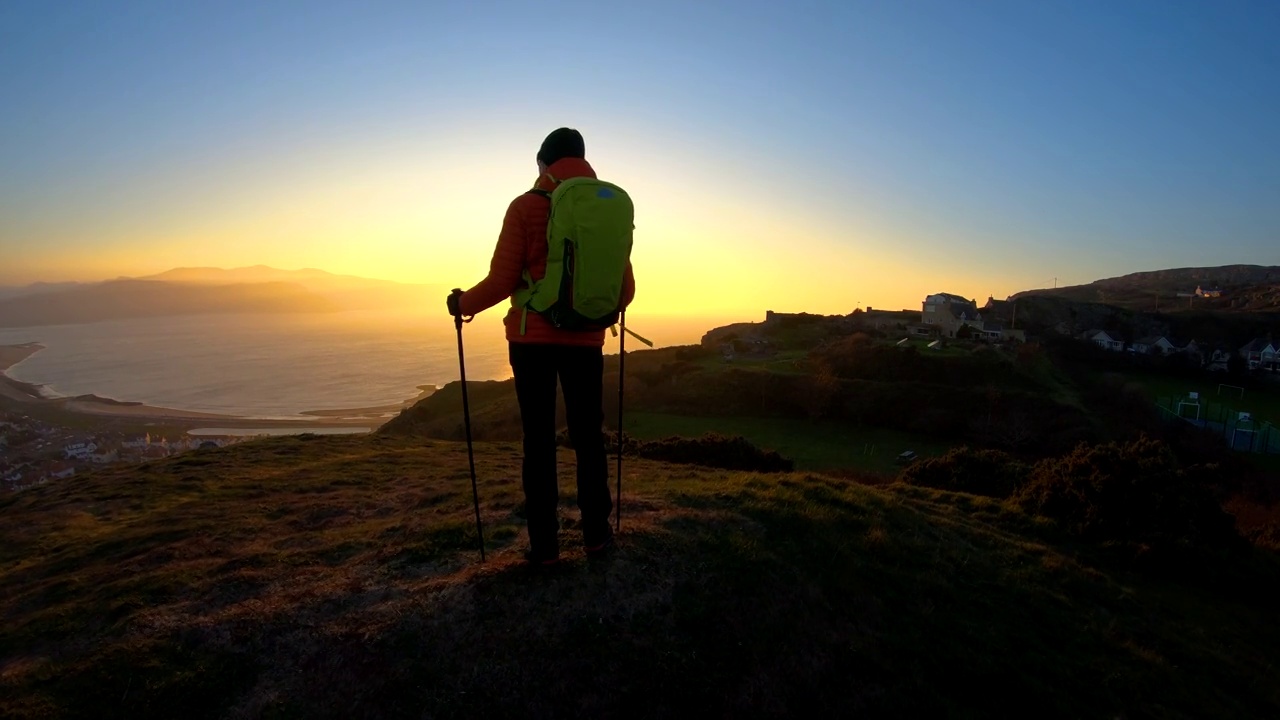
276,366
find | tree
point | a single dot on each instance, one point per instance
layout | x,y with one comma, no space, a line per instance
1236,365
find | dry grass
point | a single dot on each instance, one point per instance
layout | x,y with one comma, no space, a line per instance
338,577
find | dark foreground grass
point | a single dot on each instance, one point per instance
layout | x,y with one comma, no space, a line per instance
336,577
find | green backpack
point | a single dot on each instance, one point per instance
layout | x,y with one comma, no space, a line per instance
589,234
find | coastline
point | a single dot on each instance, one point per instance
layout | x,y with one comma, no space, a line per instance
108,408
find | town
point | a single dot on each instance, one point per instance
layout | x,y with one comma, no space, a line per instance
946,315
33,452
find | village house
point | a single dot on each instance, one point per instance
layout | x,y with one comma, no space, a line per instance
1106,340
104,456
1261,354
949,313
1218,360
1208,292
80,450
136,442
1191,349
1000,321
1153,345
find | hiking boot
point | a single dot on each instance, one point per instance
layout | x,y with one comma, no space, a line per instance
533,559
600,549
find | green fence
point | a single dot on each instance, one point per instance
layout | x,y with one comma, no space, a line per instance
1243,434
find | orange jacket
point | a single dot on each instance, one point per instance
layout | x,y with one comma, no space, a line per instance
522,245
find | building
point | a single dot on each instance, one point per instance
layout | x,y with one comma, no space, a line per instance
1105,340
104,456
1153,345
1208,293
1001,315
1261,354
949,313
79,450
1218,360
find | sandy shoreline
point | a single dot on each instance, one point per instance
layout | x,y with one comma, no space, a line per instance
27,393
11,355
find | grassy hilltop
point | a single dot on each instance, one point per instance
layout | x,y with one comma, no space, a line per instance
337,577
1060,550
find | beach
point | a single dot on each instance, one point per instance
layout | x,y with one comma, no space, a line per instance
107,408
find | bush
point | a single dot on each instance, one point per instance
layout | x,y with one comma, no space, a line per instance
979,472
608,437
710,450
718,451
1265,536
1132,493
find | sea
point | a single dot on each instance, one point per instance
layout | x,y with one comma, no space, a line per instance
278,366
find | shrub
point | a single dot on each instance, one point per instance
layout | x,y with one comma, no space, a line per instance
979,472
718,451
1265,536
1132,493
608,437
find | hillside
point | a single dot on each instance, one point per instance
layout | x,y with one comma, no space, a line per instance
819,390
337,577
120,299
201,290
1246,288
348,292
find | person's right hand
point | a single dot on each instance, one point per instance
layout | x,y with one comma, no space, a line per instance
454,303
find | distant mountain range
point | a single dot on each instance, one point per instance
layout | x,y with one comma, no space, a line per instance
1245,288
195,291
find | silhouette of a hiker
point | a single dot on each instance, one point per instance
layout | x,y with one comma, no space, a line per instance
541,352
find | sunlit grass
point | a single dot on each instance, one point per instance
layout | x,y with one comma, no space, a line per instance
339,576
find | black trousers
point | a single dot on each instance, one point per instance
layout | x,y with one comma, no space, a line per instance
580,370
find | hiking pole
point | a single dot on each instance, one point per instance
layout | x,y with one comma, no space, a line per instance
622,361
466,417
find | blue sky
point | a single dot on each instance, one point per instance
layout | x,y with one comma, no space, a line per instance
891,146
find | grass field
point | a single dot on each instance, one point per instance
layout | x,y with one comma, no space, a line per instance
813,445
337,577
1263,402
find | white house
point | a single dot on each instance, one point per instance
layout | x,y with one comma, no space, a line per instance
104,456
1261,354
1106,340
1154,345
79,450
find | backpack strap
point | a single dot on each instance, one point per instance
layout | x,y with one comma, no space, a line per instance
528,279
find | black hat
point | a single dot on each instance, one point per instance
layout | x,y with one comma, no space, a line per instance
561,143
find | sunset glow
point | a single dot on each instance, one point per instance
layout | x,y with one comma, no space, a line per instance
813,158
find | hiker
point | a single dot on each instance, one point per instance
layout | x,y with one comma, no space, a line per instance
541,351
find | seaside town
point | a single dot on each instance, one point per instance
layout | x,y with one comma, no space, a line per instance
33,452
945,317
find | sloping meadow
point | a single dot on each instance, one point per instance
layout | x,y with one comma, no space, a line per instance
339,577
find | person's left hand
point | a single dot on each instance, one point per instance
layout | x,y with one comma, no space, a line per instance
454,303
